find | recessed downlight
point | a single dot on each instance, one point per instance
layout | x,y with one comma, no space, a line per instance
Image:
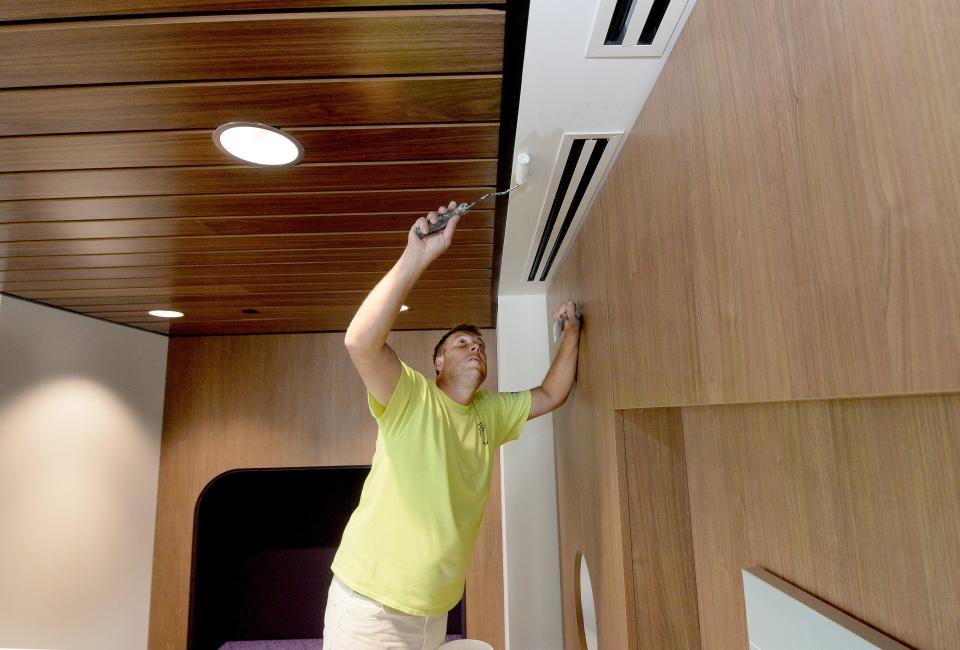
165,313
258,144
404,308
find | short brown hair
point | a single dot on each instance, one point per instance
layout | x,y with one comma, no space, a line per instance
462,327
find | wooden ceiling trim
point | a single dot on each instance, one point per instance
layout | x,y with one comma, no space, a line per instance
119,203
204,273
454,277
285,104
195,311
296,326
120,303
271,225
264,314
457,250
417,201
341,310
194,148
480,287
241,179
12,10
221,47
315,242
439,298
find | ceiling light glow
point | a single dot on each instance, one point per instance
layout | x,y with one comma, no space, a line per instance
258,143
404,308
165,313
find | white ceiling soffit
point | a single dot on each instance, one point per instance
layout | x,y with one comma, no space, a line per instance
564,91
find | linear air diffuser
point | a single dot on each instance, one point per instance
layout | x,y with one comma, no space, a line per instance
634,28
579,172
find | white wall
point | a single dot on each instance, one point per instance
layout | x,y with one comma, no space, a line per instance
531,557
81,405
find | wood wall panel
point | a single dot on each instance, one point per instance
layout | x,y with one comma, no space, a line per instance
278,401
376,100
49,9
665,584
591,478
854,501
794,235
291,45
192,148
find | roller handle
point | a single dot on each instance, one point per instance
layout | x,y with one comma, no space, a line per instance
442,220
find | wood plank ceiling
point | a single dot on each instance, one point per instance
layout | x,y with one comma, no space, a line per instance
115,201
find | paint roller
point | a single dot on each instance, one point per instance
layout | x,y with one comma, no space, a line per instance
521,171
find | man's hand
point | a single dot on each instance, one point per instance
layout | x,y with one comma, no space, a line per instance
567,313
555,389
432,246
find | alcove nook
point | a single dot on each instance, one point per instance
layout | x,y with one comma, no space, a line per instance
263,543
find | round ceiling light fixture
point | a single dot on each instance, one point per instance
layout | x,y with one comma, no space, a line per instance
258,144
166,313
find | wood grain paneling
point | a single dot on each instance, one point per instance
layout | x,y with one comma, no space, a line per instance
591,478
473,267
48,9
794,234
431,279
664,578
853,501
107,157
288,46
226,257
240,179
322,293
191,148
218,417
327,321
226,226
227,205
314,242
305,102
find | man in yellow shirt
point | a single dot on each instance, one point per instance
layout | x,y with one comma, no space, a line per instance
404,553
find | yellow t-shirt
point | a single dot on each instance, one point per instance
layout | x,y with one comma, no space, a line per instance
408,543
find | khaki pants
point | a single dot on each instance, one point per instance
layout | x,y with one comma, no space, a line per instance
355,622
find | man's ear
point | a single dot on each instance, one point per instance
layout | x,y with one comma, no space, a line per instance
438,364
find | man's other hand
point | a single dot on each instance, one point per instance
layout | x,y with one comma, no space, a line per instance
567,313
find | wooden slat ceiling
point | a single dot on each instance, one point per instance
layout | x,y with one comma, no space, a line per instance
114,200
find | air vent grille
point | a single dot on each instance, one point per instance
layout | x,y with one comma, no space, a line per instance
580,170
634,28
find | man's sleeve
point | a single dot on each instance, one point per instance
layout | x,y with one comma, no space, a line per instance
388,416
512,412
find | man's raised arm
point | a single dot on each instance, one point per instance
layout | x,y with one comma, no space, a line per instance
553,392
366,338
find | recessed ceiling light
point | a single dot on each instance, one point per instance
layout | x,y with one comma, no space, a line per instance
165,313
404,308
258,143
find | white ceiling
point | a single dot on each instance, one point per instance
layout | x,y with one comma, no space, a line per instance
564,91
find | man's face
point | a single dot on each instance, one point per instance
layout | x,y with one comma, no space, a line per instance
464,354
